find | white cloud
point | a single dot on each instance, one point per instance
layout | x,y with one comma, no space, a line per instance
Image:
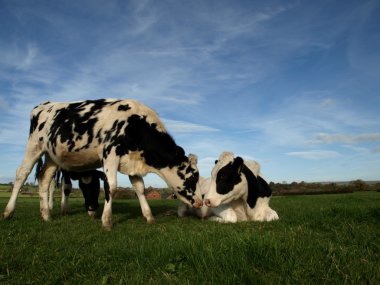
185,127
377,149
357,149
347,139
314,154
328,102
3,104
30,57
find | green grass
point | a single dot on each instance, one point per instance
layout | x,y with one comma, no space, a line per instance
323,239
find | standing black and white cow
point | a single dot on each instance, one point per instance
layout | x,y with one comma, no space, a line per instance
236,191
118,135
89,184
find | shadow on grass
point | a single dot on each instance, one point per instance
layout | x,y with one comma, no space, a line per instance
122,210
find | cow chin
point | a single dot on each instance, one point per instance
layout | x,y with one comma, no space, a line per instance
197,201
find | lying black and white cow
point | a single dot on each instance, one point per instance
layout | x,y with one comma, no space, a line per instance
118,135
89,184
235,192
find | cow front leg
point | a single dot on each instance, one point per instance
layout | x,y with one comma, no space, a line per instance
224,214
138,185
45,178
51,195
110,169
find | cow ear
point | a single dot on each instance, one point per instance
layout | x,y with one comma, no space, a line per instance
193,159
238,163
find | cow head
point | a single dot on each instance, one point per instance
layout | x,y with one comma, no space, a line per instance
226,180
184,179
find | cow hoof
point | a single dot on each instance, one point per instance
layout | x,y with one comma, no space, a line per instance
150,221
91,214
46,218
45,214
107,224
64,212
107,228
7,215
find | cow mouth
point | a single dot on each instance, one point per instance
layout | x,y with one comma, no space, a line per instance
209,204
197,203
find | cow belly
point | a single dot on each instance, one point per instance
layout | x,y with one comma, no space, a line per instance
74,161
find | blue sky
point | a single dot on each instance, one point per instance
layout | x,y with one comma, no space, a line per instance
292,84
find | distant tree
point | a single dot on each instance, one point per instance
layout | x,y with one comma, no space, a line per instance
359,185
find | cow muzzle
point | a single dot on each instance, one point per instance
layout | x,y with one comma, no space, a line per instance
197,203
211,204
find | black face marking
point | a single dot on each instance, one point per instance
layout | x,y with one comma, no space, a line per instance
187,195
229,176
189,183
41,126
257,187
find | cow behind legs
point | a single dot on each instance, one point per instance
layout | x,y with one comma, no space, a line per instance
89,184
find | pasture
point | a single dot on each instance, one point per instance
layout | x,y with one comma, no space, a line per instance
321,239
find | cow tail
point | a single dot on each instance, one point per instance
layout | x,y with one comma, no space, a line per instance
39,167
58,179
106,187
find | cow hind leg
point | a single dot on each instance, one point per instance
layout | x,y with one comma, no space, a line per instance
45,179
66,190
138,185
32,154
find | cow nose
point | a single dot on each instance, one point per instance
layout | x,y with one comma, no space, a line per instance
198,204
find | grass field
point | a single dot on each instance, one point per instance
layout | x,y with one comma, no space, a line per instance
322,239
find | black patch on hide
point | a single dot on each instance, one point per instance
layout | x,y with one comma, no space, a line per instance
257,187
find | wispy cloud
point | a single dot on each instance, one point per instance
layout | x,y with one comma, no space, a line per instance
186,127
347,139
314,154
